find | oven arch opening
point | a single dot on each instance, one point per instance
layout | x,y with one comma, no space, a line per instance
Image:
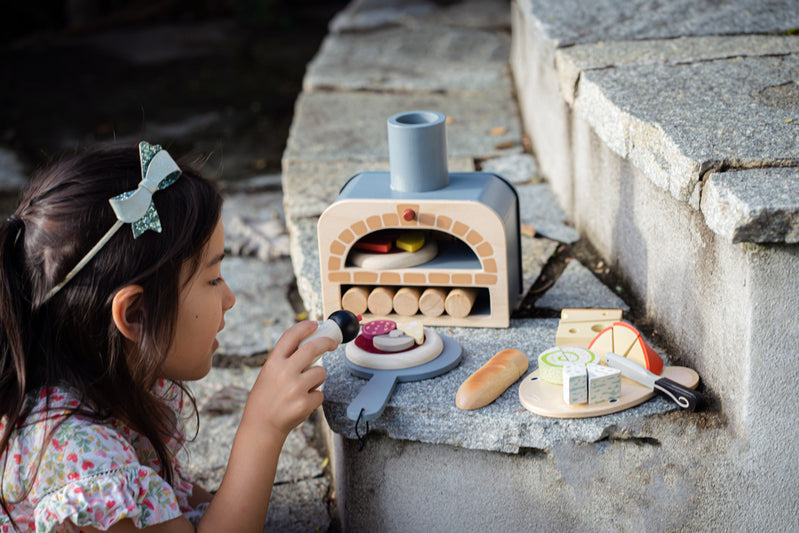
400,248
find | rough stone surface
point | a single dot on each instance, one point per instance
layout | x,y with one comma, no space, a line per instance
259,273
299,507
335,135
375,14
692,285
479,14
12,175
757,205
365,16
635,83
262,311
305,259
574,60
254,224
535,255
516,168
310,186
565,488
675,129
638,198
298,501
420,58
573,22
577,287
541,211
332,126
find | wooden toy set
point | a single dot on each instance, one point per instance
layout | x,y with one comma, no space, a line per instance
612,370
422,242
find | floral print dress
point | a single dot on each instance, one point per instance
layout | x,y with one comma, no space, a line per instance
91,474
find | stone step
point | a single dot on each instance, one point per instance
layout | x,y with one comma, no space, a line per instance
666,133
688,109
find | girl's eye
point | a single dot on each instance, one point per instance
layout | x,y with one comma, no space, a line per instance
216,281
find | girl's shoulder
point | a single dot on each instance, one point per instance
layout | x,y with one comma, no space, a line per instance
82,463
66,444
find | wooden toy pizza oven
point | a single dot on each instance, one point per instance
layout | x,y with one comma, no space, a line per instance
469,219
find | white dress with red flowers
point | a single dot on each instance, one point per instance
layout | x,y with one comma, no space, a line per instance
91,474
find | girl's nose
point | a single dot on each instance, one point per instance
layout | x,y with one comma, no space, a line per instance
229,299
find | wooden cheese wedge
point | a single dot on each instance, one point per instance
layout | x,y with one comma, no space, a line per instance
622,338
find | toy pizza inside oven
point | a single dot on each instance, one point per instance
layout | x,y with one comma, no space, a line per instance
419,241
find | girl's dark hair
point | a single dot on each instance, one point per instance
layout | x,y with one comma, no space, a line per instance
71,339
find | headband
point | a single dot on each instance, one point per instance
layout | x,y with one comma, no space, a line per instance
158,171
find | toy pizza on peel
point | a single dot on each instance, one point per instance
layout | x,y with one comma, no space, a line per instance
390,345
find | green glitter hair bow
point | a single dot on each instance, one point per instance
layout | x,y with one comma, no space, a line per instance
158,171
136,208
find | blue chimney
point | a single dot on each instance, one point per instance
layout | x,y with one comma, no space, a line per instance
417,151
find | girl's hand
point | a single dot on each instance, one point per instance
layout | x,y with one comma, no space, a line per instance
285,392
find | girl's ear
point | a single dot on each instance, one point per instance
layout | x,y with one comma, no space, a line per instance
125,311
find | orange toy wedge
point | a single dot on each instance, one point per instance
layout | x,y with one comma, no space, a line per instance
623,339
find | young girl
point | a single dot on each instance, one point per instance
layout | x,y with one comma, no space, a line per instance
110,298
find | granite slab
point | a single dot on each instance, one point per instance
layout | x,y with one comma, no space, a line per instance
352,125
424,411
12,173
417,58
539,208
262,311
675,128
368,15
572,61
757,205
516,168
310,186
570,22
578,287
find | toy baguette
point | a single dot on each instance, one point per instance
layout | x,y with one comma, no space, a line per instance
491,379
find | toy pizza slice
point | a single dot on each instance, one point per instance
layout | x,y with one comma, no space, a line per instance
623,339
412,328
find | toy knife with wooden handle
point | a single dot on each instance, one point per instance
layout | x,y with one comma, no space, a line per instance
679,394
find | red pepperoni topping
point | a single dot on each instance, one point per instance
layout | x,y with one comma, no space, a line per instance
377,327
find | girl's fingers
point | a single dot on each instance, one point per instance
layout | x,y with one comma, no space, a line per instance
314,377
303,356
288,342
312,350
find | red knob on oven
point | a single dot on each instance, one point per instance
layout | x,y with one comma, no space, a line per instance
409,214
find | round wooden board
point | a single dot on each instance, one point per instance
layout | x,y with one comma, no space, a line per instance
546,399
395,259
419,355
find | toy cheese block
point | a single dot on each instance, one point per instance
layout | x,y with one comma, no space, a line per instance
578,327
422,242
623,339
